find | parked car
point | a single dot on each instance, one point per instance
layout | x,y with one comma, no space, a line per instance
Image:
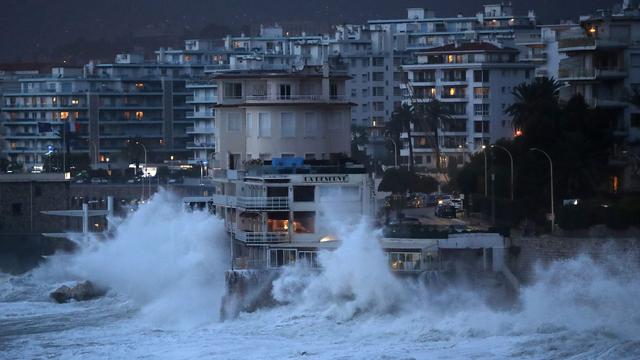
457,203
445,210
415,201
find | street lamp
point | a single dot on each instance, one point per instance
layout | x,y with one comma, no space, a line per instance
553,215
511,162
145,168
486,182
395,150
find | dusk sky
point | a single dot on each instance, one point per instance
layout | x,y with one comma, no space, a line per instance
34,27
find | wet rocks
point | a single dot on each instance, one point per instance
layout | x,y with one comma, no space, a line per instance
80,292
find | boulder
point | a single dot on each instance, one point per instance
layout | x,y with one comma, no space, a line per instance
80,292
61,294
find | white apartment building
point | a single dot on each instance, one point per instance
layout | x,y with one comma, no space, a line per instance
475,81
603,64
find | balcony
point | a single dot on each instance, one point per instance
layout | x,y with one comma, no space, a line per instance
260,237
202,114
580,74
302,99
263,203
200,130
200,146
589,44
200,99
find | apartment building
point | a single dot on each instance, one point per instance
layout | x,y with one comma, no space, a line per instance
474,80
103,106
281,161
602,63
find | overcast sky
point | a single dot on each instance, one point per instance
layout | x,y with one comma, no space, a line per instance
29,25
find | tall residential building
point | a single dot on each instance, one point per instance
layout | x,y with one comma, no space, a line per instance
603,64
105,105
474,80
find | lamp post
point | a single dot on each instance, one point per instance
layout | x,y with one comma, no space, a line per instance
395,150
95,154
145,168
553,215
486,182
511,164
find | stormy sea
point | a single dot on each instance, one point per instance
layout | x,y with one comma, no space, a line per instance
165,271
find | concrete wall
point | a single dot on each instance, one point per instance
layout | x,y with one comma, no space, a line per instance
526,252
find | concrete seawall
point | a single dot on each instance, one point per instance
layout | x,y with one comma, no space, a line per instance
525,252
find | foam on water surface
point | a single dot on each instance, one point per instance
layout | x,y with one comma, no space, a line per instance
165,268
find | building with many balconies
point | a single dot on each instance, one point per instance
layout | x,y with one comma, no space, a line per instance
602,63
474,81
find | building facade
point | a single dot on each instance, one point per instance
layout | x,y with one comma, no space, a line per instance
474,82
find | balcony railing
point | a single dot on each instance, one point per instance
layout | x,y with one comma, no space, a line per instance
200,114
200,130
192,145
261,237
263,203
295,98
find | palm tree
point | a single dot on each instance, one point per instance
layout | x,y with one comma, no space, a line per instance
403,118
432,117
534,101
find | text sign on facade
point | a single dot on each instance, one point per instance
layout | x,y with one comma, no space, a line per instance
327,179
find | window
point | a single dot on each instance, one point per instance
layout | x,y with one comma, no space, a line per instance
281,257
287,125
304,222
285,91
635,120
308,258
378,91
16,209
310,124
335,122
481,93
365,77
264,157
139,115
378,61
310,156
481,75
481,126
249,123
233,90
378,76
304,193
378,106
233,121
264,124
404,261
481,109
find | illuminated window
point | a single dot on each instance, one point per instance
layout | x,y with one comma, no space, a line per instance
75,101
433,91
452,92
187,58
139,86
161,141
54,100
139,115
64,115
102,158
450,59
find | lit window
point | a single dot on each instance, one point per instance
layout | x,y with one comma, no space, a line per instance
139,86
75,101
139,115
450,59
64,115
452,91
